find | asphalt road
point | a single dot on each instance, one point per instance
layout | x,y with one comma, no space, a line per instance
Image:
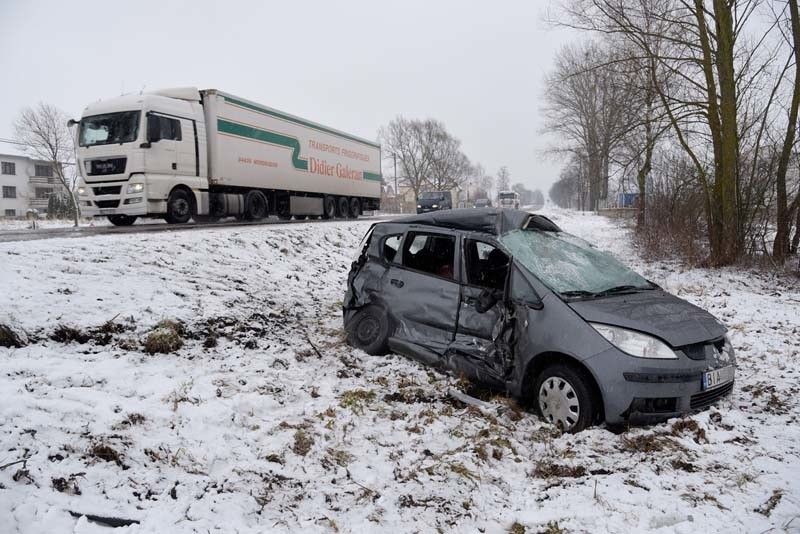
85,231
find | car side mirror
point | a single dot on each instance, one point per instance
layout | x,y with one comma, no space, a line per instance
153,129
486,300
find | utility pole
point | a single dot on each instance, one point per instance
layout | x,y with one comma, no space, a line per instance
396,192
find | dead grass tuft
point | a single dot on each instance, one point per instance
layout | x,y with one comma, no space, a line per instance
647,443
691,426
10,338
303,441
546,469
356,399
165,337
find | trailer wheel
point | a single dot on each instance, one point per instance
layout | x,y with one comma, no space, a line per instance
179,207
122,220
343,208
355,208
255,206
284,216
329,205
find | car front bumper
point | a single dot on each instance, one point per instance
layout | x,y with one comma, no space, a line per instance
641,391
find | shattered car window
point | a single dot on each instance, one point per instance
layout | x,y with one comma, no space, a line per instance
566,263
487,265
431,253
391,245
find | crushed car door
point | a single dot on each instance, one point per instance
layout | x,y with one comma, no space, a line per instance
422,293
482,314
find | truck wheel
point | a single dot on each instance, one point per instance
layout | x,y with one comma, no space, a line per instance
369,330
122,220
284,216
330,208
179,207
355,208
343,208
565,398
255,206
300,217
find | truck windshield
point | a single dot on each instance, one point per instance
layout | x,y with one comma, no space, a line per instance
569,265
507,196
109,128
431,195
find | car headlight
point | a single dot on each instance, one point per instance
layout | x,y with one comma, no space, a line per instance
419,205
435,206
635,343
135,188
82,191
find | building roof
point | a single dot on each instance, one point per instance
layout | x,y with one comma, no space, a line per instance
487,220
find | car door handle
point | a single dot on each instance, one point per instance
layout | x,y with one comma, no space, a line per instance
397,283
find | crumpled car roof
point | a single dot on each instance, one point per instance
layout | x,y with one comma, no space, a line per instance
495,221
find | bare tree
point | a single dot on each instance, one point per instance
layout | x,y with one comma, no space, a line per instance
449,167
503,180
590,104
407,139
43,131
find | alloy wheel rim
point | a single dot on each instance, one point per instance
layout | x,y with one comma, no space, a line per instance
559,402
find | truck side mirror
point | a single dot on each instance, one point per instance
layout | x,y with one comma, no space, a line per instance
153,128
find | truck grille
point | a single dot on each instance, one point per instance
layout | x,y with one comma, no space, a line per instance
705,398
100,167
107,203
110,190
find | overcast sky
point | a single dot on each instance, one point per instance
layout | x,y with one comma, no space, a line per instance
354,65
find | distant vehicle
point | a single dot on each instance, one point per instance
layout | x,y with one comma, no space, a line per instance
508,299
434,201
482,203
183,153
508,199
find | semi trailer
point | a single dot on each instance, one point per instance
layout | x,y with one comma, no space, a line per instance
185,153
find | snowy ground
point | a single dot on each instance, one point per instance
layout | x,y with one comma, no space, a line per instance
264,420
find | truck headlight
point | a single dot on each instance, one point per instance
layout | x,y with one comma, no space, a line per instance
419,206
635,343
135,188
82,191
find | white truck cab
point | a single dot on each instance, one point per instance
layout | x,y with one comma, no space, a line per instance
508,199
135,150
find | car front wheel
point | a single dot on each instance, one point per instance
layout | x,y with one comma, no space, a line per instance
564,397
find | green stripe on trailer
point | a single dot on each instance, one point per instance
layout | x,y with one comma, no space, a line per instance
272,138
307,124
257,134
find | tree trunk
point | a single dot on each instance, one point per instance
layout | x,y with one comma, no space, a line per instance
780,246
644,171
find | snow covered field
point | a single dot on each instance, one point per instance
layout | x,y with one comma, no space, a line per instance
264,420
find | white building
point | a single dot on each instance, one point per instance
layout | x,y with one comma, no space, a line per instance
25,183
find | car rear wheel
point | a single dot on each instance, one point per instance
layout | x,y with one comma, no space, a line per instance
564,397
122,220
368,330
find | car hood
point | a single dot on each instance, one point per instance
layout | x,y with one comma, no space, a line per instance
653,312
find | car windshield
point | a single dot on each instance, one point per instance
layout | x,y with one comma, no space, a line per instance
432,195
569,265
109,128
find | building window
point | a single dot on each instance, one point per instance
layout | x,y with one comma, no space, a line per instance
44,170
11,213
8,168
43,192
9,191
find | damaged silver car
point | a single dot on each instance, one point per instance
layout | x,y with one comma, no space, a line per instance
507,299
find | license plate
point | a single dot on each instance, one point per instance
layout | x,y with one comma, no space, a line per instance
717,377
108,211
